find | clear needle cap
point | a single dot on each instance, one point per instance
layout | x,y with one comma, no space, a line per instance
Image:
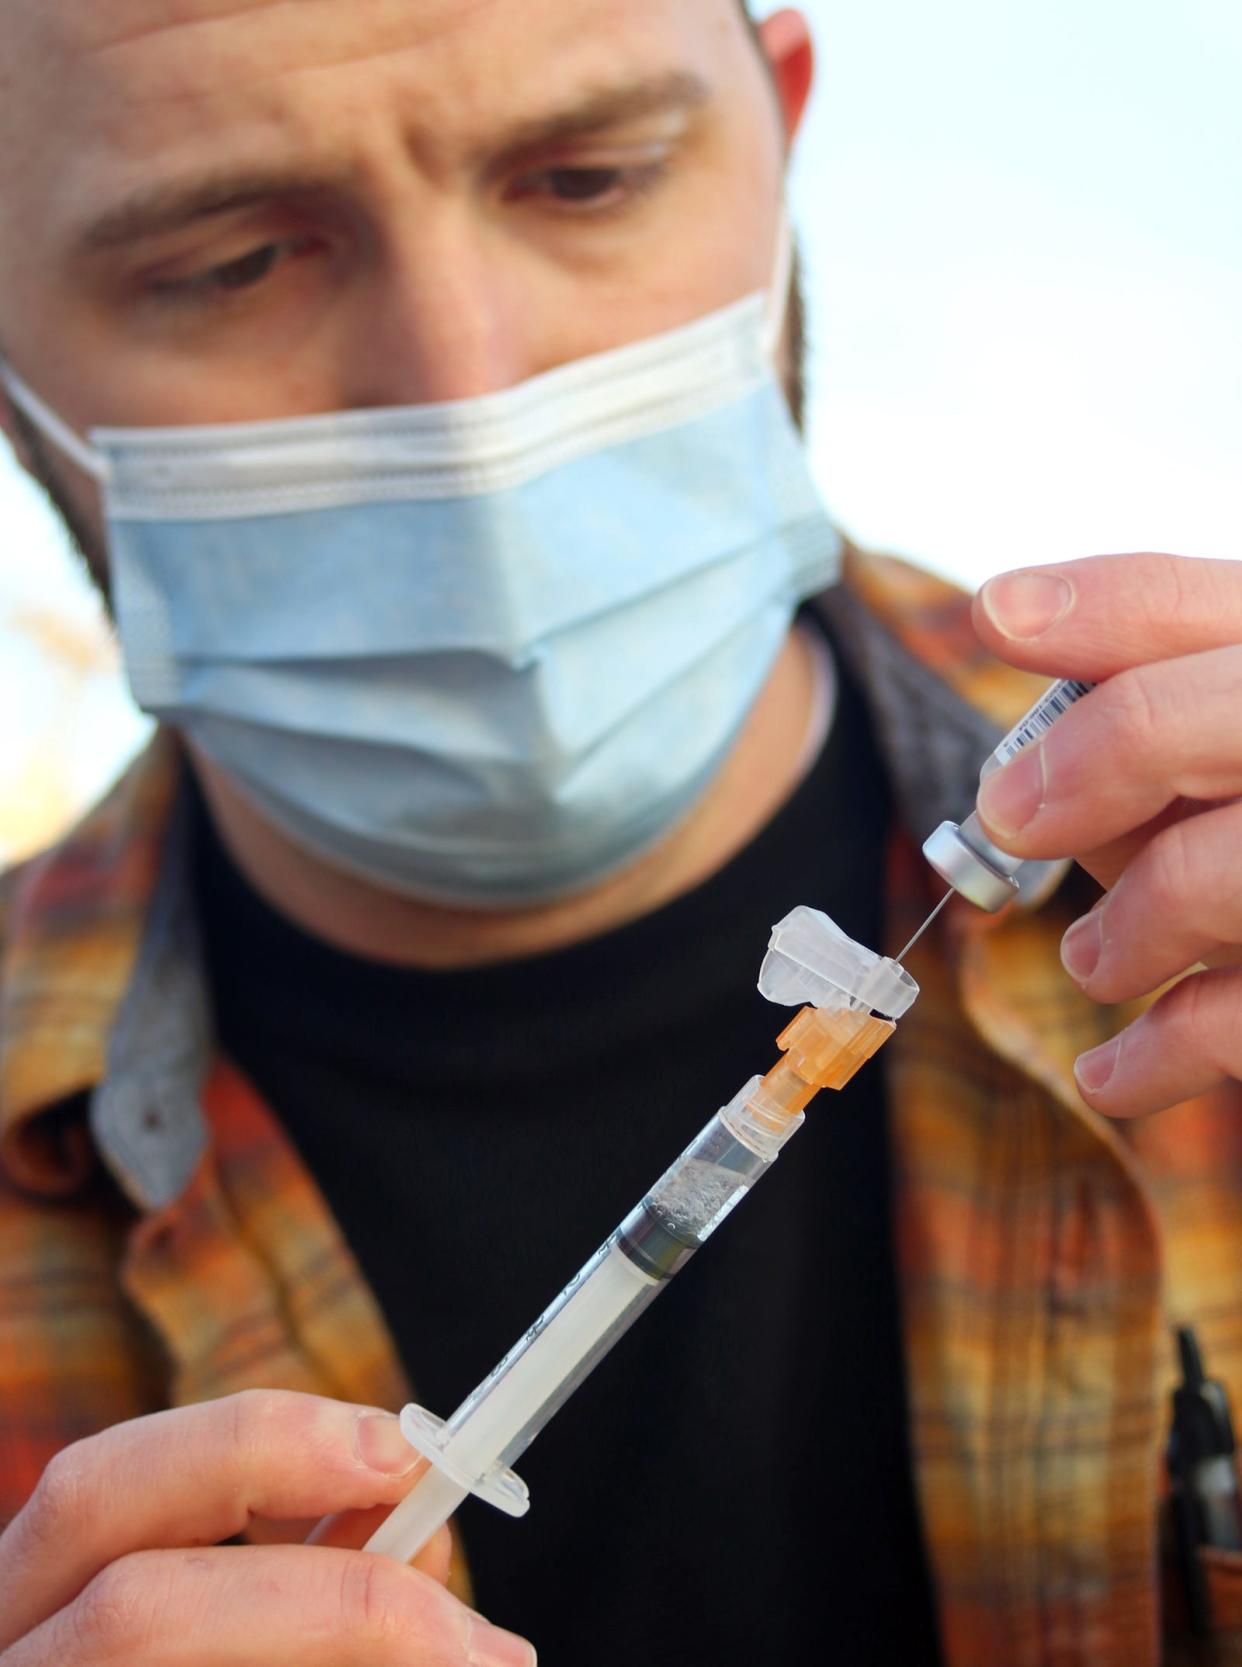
810,959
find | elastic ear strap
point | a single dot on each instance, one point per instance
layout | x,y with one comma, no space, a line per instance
52,427
782,281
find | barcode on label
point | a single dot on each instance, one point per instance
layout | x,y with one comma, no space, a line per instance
1040,719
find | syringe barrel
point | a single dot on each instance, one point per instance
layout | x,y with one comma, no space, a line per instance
498,1422
691,1199
655,1241
494,1426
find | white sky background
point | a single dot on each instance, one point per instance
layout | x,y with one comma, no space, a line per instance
1023,238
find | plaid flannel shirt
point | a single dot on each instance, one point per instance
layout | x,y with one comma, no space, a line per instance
161,1243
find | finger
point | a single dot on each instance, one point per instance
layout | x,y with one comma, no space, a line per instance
1178,903
1121,757
192,1476
1184,1045
1091,619
350,1531
1107,863
244,1607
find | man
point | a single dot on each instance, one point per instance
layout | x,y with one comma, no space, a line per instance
352,1022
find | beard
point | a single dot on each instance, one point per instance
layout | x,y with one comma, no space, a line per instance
90,544
796,377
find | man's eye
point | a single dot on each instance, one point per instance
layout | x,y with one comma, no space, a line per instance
248,271
588,188
584,185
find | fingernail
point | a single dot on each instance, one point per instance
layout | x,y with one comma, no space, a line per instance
1095,1070
1014,796
1022,606
1082,947
382,1446
488,1646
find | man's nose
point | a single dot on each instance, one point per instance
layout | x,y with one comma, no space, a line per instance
446,319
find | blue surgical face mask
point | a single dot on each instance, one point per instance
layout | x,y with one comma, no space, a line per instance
484,653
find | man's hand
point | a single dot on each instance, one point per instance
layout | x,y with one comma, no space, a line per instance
1142,783
115,1558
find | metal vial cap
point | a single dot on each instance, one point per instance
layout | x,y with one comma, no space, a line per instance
968,861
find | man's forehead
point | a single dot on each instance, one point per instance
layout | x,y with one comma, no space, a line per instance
292,35
98,97
89,26
120,77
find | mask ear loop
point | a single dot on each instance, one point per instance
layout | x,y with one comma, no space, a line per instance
782,282
53,428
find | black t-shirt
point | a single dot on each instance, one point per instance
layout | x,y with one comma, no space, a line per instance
732,1486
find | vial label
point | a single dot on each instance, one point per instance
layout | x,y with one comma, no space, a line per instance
1040,719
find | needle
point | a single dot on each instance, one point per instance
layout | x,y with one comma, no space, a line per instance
925,927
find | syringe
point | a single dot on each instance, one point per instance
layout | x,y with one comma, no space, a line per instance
964,857
857,997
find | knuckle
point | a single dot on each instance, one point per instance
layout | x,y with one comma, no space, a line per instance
1170,876
1195,1009
63,1500
366,1599
1156,589
256,1414
1169,591
115,1618
1134,714
381,1602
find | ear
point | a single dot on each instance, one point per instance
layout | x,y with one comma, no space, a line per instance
786,41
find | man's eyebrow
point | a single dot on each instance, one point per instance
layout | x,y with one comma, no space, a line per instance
608,107
167,206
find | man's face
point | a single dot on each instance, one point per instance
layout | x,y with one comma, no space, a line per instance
226,210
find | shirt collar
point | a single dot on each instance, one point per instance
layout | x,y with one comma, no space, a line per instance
74,924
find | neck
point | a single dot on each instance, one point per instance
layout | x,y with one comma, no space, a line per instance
760,774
